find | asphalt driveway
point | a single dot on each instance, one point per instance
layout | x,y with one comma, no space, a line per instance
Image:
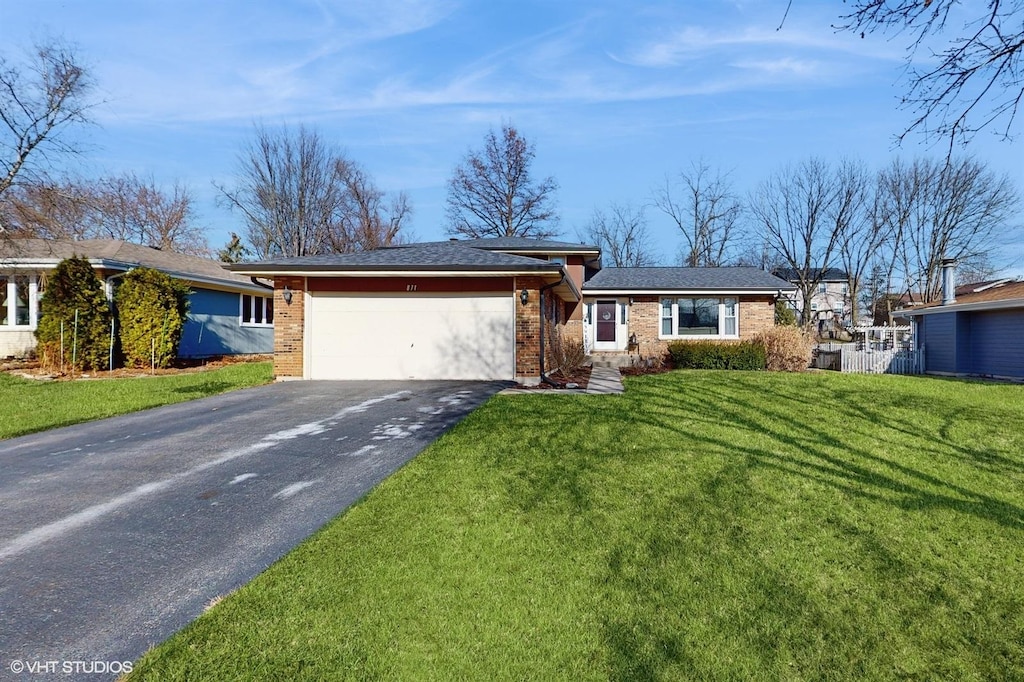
114,534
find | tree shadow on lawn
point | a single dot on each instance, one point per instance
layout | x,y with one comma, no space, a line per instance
833,461
204,389
663,626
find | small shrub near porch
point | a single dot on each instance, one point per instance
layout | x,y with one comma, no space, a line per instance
787,348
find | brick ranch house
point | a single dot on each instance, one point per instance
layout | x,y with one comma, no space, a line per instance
476,308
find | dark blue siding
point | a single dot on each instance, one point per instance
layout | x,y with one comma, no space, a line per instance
213,328
997,343
939,339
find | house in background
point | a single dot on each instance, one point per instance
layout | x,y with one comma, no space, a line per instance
977,333
484,308
228,314
831,300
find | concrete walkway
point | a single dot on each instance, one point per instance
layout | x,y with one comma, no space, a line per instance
603,381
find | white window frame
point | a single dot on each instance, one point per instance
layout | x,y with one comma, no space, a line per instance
8,318
722,318
256,303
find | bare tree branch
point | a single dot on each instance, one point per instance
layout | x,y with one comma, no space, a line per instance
702,205
621,232
39,101
122,207
976,80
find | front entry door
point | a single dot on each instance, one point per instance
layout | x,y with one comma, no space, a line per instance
605,323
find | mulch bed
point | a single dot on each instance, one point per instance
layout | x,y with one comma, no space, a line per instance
579,376
33,370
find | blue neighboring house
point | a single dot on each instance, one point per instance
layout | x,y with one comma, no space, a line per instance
229,314
977,333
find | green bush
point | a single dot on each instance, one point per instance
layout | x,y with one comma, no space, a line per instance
717,355
151,309
784,315
74,322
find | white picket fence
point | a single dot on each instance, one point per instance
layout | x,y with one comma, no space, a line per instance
848,357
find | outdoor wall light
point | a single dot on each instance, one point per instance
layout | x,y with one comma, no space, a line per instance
524,296
287,294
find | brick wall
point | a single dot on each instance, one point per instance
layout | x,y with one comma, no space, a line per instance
528,331
756,314
289,326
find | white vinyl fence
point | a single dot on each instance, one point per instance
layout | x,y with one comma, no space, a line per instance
878,350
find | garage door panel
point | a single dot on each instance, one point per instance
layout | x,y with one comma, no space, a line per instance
411,337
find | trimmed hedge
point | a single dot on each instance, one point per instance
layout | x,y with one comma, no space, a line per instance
74,321
151,309
717,355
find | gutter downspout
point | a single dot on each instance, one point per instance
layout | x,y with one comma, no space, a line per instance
544,377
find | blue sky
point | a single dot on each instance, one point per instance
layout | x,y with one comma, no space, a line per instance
615,95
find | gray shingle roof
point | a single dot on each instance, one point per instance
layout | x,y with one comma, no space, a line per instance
118,252
430,256
512,244
827,275
668,279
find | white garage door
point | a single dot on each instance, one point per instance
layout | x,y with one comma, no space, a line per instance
412,336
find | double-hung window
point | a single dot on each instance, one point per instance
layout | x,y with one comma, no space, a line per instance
699,316
19,299
257,311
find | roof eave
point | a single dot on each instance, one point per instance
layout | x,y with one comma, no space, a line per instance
641,291
108,264
1004,304
377,271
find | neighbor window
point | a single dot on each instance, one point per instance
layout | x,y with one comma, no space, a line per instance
19,300
257,310
699,317
822,288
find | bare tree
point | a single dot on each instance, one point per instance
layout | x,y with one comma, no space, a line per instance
135,209
368,219
974,81
800,215
491,193
39,101
50,210
702,205
288,191
301,197
862,231
621,233
942,209
122,207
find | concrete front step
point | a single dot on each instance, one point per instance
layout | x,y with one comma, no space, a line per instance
614,360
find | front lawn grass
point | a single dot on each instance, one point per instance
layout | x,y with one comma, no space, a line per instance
704,526
31,405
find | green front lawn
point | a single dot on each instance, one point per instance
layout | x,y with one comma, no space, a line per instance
705,525
31,406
